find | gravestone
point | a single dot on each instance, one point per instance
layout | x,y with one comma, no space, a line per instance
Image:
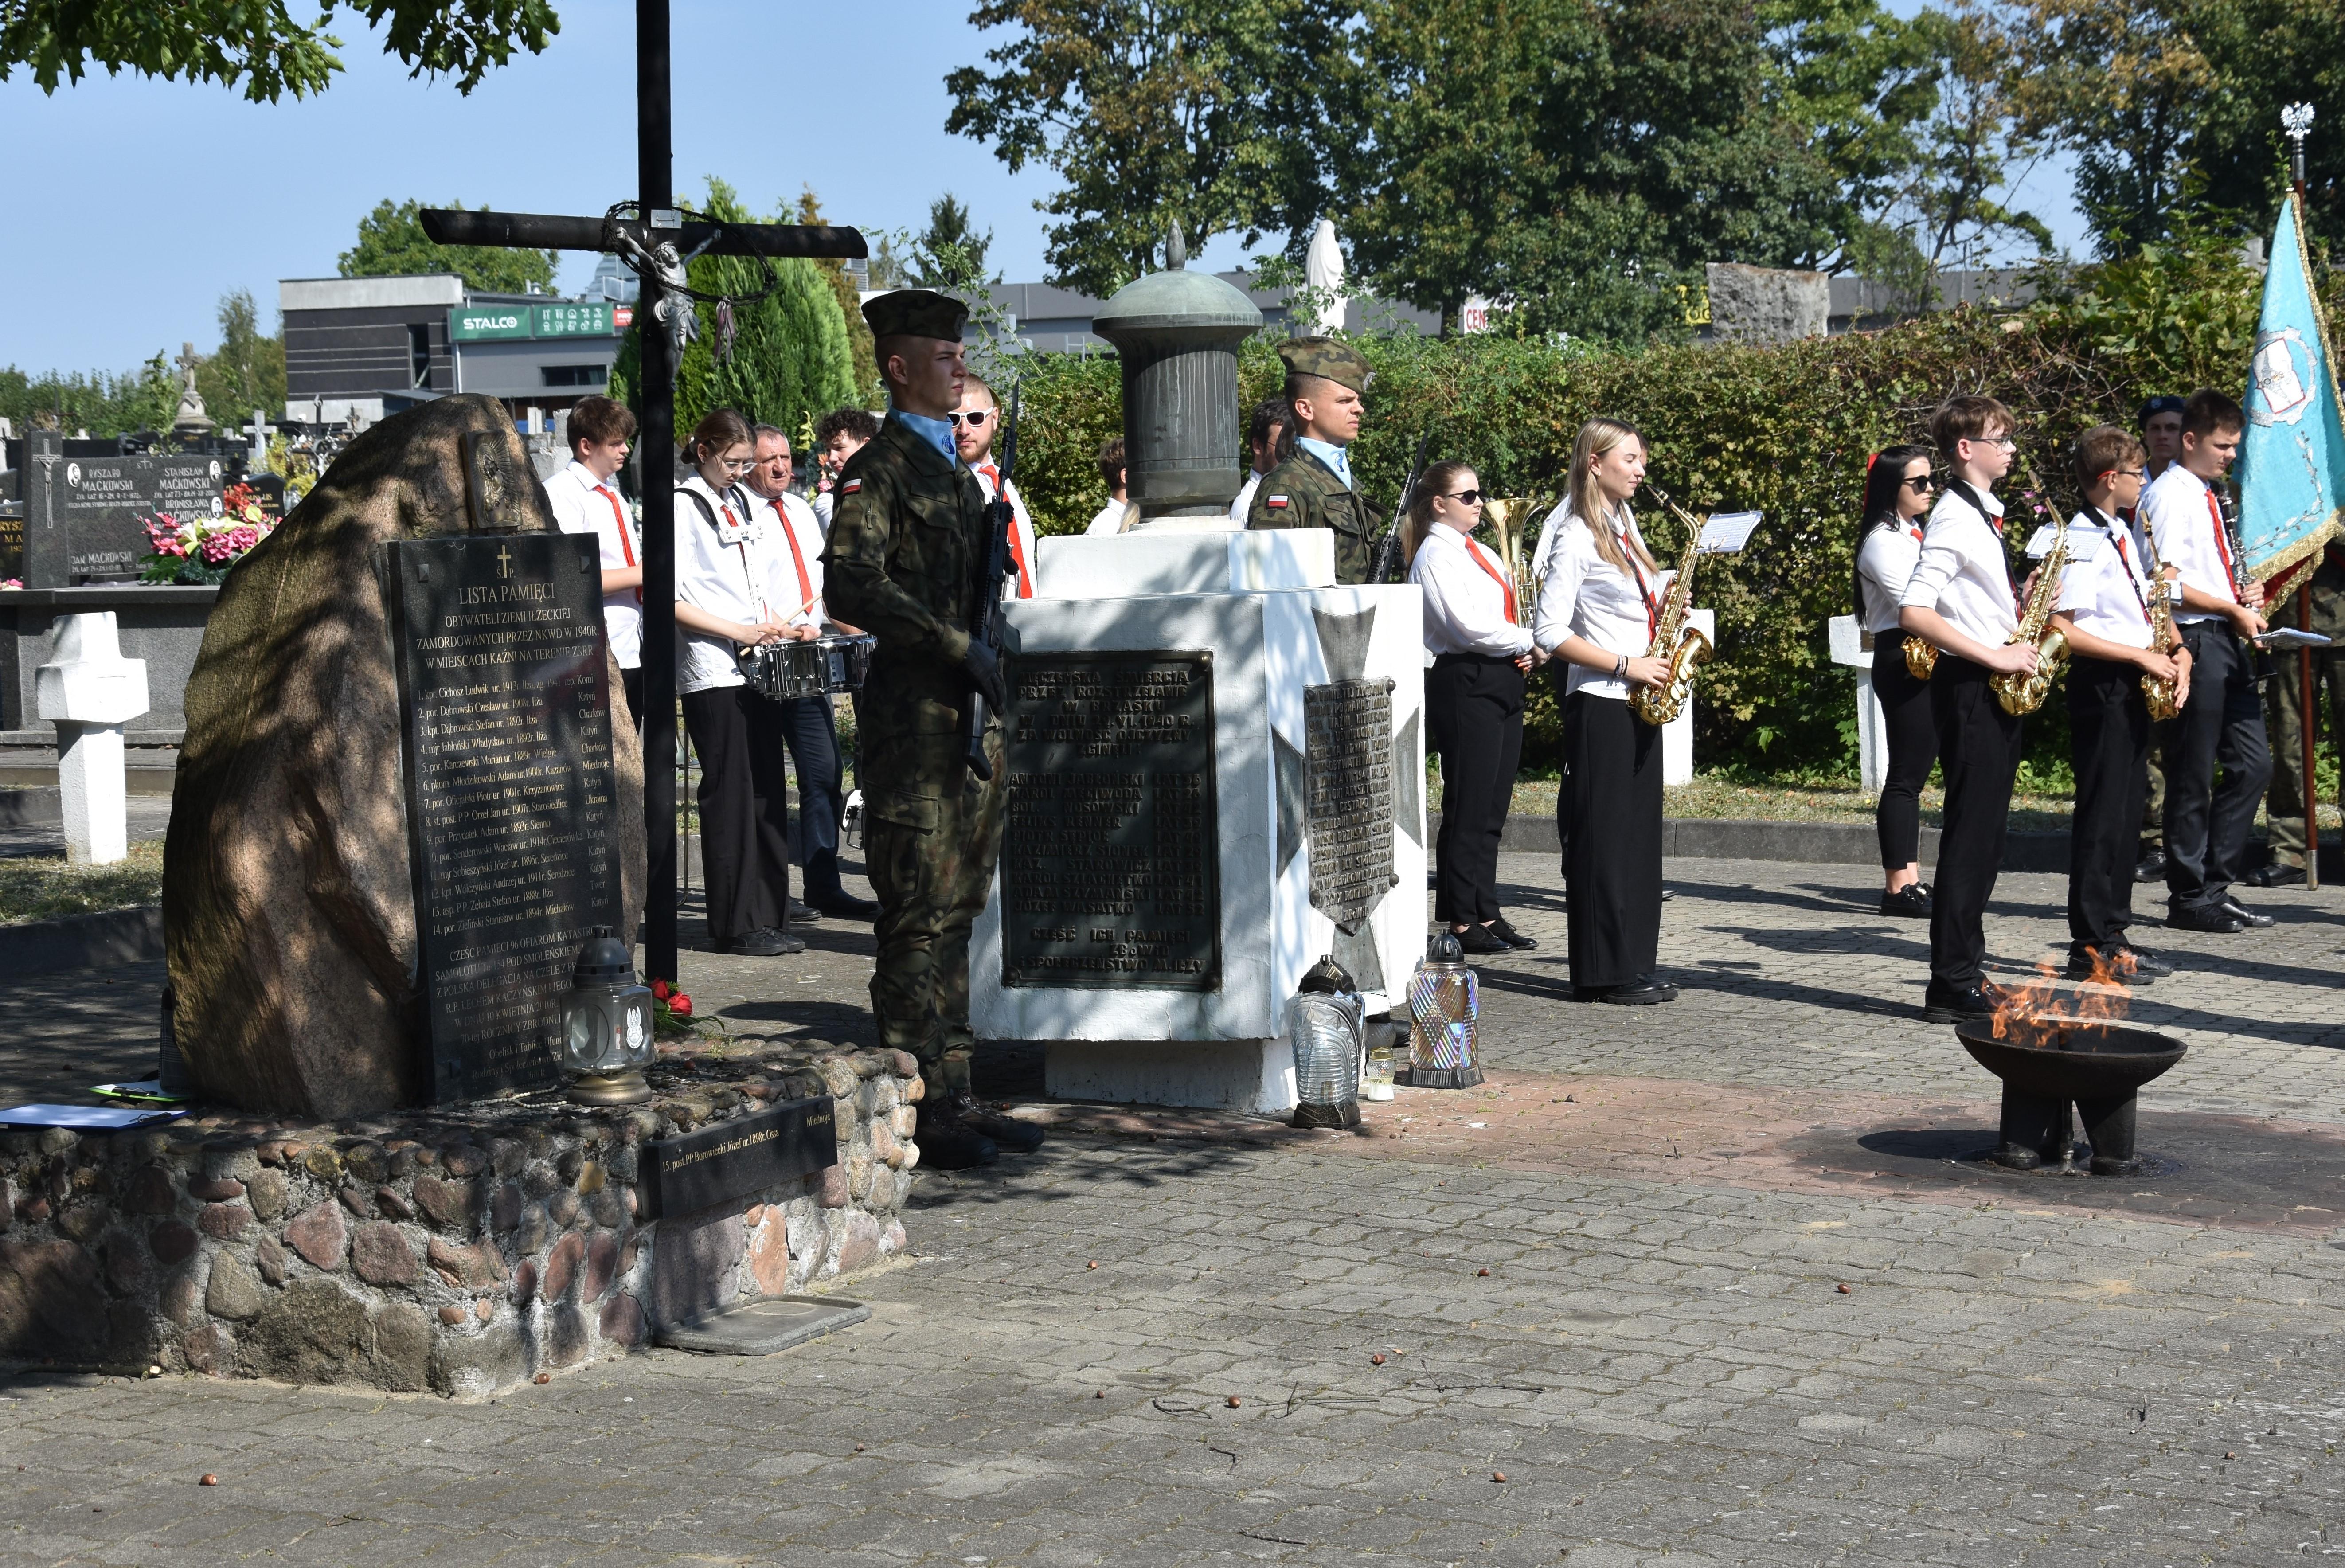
301,976
84,516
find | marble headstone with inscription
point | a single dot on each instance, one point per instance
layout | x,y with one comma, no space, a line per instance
85,516
1216,777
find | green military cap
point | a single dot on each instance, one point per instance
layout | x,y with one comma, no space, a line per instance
1327,359
916,313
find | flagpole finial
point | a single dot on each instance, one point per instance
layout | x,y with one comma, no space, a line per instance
2295,124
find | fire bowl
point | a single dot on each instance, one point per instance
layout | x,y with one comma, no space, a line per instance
2047,1065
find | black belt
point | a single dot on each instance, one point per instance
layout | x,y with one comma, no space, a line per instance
1476,657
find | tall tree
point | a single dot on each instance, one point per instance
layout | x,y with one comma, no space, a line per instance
391,244
951,253
2264,54
851,304
259,45
247,371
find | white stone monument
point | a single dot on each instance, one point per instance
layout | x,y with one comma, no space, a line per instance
1217,777
1871,721
89,691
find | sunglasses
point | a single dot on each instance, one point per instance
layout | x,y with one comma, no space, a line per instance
1923,482
975,419
1466,497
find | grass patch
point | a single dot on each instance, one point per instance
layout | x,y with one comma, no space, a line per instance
42,888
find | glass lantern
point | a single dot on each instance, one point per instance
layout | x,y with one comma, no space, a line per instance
606,1026
1444,1003
1327,1023
1376,1075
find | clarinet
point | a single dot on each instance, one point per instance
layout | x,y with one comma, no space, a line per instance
2227,500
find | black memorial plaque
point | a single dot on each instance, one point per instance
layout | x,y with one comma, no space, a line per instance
507,725
736,1159
1347,765
1111,864
91,512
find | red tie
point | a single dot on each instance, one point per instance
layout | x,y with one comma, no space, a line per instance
1496,576
626,545
1017,551
2222,540
797,558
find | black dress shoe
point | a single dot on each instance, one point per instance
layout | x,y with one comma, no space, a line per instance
846,906
2277,876
1642,992
1481,942
945,1145
2110,965
2148,963
1023,1138
2215,918
1512,937
765,941
2244,915
2152,868
801,914
1946,1004
1909,902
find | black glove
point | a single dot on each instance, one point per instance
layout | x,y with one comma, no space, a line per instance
984,672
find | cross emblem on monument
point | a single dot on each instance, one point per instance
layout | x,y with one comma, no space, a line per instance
656,242
505,561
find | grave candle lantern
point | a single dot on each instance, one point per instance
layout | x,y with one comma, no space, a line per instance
1444,1007
606,1026
1327,1022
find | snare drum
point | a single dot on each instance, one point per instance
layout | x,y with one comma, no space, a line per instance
785,670
845,661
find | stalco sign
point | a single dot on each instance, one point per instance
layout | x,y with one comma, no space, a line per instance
564,319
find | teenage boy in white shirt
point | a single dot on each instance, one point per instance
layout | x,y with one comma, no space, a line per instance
1116,515
584,501
1961,599
838,436
2223,723
1269,438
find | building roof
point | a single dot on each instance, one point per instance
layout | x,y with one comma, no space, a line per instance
370,293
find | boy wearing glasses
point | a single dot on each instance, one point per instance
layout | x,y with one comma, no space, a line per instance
2105,611
1961,600
975,424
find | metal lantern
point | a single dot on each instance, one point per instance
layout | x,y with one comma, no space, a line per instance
1327,1023
1177,334
1444,1004
606,1026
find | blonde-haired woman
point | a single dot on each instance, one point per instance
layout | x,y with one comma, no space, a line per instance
1599,599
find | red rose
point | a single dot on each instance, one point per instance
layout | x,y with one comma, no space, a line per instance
680,1005
659,989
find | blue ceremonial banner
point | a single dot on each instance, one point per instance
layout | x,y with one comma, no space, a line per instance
2292,463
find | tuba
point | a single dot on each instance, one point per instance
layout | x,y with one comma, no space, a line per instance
1681,644
1508,518
2023,694
2162,696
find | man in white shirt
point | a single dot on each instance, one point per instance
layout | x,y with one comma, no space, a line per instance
584,501
1961,599
794,570
2223,722
1116,515
2161,438
1270,440
975,425
838,436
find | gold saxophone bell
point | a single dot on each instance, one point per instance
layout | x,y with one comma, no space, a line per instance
1676,640
2023,694
1921,656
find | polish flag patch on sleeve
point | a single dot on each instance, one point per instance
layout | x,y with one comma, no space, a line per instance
1276,504
850,487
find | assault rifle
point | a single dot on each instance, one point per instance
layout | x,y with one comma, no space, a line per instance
1384,566
1001,517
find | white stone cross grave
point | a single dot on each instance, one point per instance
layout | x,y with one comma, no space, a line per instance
1871,721
89,691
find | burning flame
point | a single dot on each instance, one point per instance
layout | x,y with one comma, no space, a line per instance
2039,1001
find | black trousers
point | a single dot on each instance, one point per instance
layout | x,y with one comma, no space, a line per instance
813,737
2222,725
1912,747
2108,727
1560,672
1474,708
744,799
1979,746
1614,862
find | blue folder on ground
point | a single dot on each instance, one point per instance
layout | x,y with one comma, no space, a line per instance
84,1118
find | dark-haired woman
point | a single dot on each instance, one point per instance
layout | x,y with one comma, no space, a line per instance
1897,494
722,607
1473,700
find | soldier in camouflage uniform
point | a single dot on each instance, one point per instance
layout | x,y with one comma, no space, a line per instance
1326,380
907,543
2284,718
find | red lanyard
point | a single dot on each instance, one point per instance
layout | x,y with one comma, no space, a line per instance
2118,537
626,545
1017,551
2222,540
1496,576
798,559
1652,616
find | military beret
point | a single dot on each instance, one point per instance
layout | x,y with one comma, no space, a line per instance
916,313
1327,359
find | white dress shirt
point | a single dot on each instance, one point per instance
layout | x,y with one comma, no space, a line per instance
2180,513
1963,573
585,504
721,567
1469,604
2104,590
792,553
1239,507
1583,595
1883,567
1021,534
1111,518
823,504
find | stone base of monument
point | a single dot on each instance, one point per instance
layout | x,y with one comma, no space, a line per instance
763,1325
1255,1075
460,1249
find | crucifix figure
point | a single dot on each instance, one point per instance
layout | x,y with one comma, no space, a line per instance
657,242
191,419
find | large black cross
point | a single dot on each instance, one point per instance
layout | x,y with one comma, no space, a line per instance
657,223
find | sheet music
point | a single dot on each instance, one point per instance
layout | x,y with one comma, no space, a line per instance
1724,533
2083,544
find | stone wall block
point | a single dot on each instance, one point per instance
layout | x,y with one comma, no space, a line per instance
895,1237
566,1336
322,1162
223,1221
212,1189
149,1191
50,1294
860,1248
829,1187
171,1242
463,1160
563,1208
210,1349
695,1264
126,1263
838,1079
85,1222
380,1255
902,1120
474,1268
769,1252
358,1200
622,1321
269,1259
448,1204
882,1196
858,1175
562,1266
525,1283
266,1190
476,1366
181,1293
505,1208
609,1208
401,1355
602,1266
318,1235
234,1291
885,1148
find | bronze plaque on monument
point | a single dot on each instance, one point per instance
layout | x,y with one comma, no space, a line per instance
507,731
1347,766
1111,863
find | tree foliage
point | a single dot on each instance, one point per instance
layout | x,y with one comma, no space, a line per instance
257,43
391,244
950,252
105,404
247,371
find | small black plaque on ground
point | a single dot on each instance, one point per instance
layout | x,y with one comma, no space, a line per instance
761,1326
728,1160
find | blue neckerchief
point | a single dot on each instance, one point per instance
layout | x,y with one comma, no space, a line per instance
1335,457
937,433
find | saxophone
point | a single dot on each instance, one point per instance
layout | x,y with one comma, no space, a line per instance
2023,694
1675,641
2160,695
1921,656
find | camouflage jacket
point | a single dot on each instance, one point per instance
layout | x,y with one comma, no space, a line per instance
907,535
1304,493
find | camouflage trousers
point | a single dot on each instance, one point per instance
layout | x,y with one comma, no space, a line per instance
932,838
2284,715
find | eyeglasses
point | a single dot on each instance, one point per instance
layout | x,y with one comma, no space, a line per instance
2004,441
2125,473
736,465
1465,498
973,419
1922,481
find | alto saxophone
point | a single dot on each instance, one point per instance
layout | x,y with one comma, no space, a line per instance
1921,656
1675,640
2023,693
2162,696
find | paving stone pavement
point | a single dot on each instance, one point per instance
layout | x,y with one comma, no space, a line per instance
1141,1352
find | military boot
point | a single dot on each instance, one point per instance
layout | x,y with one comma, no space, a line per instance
946,1143
1024,1137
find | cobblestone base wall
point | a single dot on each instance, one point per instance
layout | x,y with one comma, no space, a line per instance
462,1250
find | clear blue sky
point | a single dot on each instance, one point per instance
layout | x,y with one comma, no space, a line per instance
144,203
